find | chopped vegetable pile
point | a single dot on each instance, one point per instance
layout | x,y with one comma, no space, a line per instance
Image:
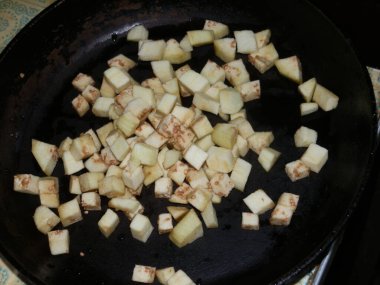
153,139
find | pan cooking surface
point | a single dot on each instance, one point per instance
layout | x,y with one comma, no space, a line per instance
82,40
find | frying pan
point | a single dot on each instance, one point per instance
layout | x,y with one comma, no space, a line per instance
79,36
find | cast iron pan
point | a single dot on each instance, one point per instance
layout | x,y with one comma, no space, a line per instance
79,36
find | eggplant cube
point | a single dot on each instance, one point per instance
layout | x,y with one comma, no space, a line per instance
127,123
200,37
250,221
108,223
307,89
181,194
186,231
184,115
59,242
205,103
260,140
180,278
225,49
152,173
231,101
69,212
220,159
137,33
178,172
49,191
96,164
209,216
205,143
165,223
290,67
163,187
133,178
195,156
177,212
175,53
197,179
264,58
325,98
225,135
213,72
289,200
163,70
80,105
240,173
236,73
26,183
202,127
268,157
259,202
199,199
146,154
315,157
81,81
143,274
90,201
46,155
164,274
121,61
167,103
305,136
263,38
246,41
194,81
152,50
296,170
281,216
74,186
221,184
45,219
83,147
250,90
103,132
141,228
220,30
90,181
308,108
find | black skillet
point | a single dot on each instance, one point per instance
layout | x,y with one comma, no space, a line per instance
79,36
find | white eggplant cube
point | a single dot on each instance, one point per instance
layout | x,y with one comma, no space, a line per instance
49,191
108,223
163,70
260,140
127,123
220,159
180,278
296,170
195,156
209,216
90,201
117,78
143,274
141,228
304,136
133,178
163,187
325,98
220,30
46,155
259,202
250,221
308,108
83,147
59,242
152,50
164,274
81,81
90,181
225,49
202,127
315,157
165,223
45,219
178,172
281,216
240,173
137,33
236,73
80,105
121,61
74,186
197,178
246,41
221,184
146,154
250,90
194,81
213,72
268,157
199,199
69,212
167,103
26,183
289,200
230,101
